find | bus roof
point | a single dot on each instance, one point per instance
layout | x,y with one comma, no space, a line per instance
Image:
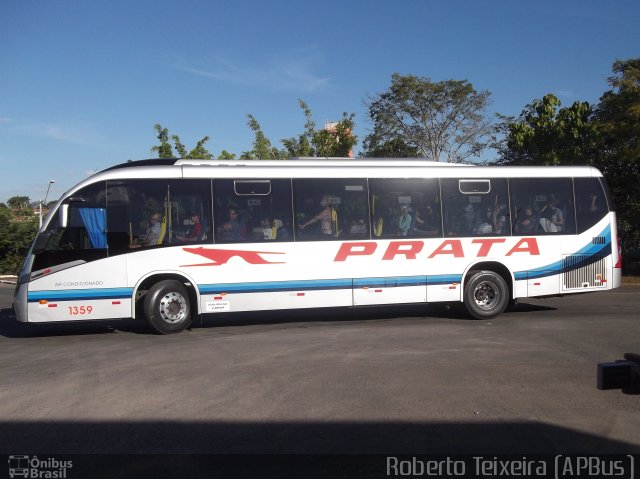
331,168
291,162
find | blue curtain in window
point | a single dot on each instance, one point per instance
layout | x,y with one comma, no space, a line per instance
95,220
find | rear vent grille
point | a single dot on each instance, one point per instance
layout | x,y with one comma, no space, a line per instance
579,274
598,240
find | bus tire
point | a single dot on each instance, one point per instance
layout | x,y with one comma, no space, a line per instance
486,295
167,307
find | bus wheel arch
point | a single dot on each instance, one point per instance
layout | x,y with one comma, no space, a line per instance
168,302
488,290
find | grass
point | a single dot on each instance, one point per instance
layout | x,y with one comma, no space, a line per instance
631,280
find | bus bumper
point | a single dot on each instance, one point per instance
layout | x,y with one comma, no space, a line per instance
20,304
617,278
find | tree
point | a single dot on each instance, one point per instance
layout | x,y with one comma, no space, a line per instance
262,148
443,121
337,141
225,155
375,147
302,145
545,134
18,202
165,150
16,235
197,153
618,122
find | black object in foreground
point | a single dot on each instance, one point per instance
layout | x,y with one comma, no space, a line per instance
621,374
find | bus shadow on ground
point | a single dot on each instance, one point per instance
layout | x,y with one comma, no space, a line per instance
11,328
295,437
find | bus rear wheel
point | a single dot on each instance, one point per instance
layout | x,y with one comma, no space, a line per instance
167,307
486,295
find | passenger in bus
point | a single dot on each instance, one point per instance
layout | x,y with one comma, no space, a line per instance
153,231
426,224
596,205
230,230
324,217
526,224
470,219
357,227
152,235
282,234
593,211
403,222
551,217
195,232
273,230
499,218
485,226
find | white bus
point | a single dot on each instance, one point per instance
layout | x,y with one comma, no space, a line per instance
169,240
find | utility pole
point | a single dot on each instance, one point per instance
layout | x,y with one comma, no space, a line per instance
44,201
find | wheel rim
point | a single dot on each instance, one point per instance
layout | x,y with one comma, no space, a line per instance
173,307
486,295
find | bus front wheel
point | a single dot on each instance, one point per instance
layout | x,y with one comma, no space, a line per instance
485,295
167,307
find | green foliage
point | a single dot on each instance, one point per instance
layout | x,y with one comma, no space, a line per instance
312,142
545,134
606,136
617,118
376,147
262,148
165,150
18,202
302,144
225,155
17,231
441,121
322,143
197,153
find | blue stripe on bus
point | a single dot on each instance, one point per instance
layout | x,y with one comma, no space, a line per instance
327,284
389,282
80,294
271,286
444,279
592,253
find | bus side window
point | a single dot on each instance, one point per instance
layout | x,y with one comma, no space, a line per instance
405,207
151,213
252,210
475,207
591,203
84,237
330,209
541,206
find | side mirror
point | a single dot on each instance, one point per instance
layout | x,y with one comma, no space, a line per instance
63,215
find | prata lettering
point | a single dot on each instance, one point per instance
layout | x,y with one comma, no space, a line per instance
452,248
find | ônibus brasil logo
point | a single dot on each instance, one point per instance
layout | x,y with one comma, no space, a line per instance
40,468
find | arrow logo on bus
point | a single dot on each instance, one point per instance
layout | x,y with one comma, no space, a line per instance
222,256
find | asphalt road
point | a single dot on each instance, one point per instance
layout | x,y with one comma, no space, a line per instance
383,380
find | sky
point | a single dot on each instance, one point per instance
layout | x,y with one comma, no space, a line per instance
82,83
